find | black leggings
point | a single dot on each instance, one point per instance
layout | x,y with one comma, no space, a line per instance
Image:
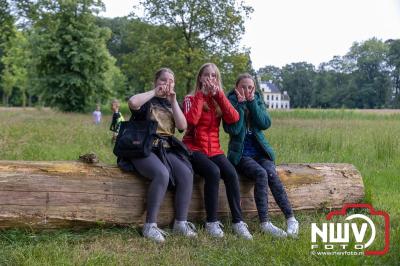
151,167
263,172
212,169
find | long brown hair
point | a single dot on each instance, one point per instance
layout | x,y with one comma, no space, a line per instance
199,85
244,76
241,77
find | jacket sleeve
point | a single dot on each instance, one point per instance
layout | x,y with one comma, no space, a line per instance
259,115
234,128
193,107
229,113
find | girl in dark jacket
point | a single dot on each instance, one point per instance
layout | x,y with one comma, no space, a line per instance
204,111
253,157
165,164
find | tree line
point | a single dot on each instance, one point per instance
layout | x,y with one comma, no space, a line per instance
368,76
60,53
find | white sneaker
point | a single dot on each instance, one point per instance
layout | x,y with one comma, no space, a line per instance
268,227
241,229
292,227
214,229
151,231
184,228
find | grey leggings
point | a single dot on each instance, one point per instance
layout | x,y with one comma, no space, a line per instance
152,168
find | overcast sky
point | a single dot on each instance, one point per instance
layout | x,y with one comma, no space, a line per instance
280,32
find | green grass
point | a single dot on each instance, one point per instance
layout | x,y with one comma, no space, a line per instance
369,141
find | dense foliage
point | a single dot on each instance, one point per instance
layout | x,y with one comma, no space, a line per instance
62,54
368,76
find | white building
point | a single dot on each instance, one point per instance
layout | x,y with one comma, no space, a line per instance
273,97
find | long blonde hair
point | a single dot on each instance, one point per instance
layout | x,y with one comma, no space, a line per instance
199,85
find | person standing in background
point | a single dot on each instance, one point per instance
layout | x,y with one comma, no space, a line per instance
117,118
97,115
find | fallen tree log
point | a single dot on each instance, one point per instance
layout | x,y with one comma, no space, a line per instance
42,195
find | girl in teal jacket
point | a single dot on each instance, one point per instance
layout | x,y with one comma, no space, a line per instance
253,157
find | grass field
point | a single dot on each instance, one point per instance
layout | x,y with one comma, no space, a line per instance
368,140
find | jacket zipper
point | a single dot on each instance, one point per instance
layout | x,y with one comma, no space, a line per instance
257,138
209,130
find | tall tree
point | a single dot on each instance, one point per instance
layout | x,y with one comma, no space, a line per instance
394,62
231,65
331,84
272,73
152,47
212,26
71,58
7,31
7,28
16,62
140,48
297,80
371,74
120,27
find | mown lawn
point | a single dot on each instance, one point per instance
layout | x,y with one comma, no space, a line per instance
370,141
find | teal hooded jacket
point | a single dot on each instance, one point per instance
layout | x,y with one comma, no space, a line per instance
259,121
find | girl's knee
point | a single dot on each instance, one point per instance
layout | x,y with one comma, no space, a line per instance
231,178
262,177
188,173
269,167
213,174
185,178
161,175
270,170
261,173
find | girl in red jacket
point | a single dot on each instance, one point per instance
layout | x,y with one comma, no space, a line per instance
204,111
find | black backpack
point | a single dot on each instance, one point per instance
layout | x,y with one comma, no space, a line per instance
135,138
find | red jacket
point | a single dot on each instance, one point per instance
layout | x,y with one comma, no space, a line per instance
202,133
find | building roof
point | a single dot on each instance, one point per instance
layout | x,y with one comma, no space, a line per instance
271,86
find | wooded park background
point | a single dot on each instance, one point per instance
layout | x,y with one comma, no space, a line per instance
62,54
